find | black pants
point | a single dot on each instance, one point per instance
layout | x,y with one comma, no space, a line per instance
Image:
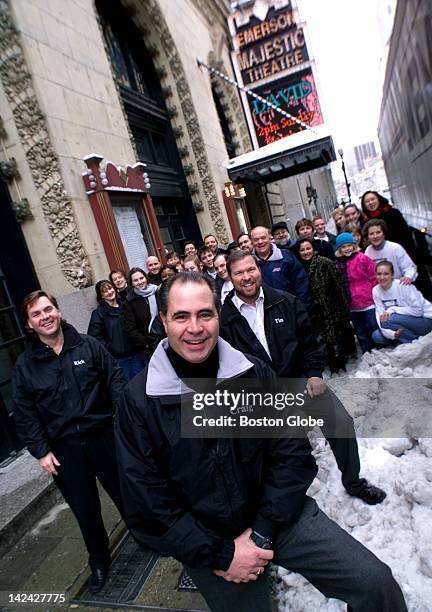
326,555
339,431
83,458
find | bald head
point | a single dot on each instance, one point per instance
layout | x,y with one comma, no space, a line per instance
261,241
153,264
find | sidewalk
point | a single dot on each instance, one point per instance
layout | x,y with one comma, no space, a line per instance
26,494
42,551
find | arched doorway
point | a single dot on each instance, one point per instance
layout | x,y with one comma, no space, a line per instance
149,123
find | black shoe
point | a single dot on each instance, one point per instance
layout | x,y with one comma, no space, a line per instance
97,579
370,494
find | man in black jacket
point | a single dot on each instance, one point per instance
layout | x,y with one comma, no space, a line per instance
274,326
65,388
226,506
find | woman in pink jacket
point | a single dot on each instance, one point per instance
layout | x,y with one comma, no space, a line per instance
357,273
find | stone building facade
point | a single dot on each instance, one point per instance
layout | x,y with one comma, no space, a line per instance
73,82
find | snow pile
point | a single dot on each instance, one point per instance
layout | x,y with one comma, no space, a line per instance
399,530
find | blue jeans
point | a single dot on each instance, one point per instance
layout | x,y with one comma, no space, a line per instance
131,366
365,324
412,328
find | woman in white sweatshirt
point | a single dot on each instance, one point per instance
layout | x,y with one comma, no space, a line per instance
402,312
381,249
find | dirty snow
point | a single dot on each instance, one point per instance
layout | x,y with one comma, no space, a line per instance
398,531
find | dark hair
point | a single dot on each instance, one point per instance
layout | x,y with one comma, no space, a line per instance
204,249
172,254
237,256
100,285
243,234
231,246
379,222
208,236
387,263
31,298
189,242
118,271
303,223
381,199
167,267
185,278
224,255
132,271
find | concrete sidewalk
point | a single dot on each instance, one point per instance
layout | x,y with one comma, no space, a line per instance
26,494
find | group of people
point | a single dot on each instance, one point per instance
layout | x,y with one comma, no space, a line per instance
225,507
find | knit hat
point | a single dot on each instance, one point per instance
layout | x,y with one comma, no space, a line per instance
344,238
280,225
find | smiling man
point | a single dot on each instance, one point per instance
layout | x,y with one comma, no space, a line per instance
225,507
65,389
273,326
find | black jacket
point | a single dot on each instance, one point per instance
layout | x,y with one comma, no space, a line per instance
137,320
107,325
290,337
58,395
189,498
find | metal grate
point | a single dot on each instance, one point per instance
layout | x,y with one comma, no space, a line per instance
130,568
186,583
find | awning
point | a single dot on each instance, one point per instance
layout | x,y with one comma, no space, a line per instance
286,157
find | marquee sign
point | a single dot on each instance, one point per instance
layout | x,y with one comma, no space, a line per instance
295,94
266,48
271,60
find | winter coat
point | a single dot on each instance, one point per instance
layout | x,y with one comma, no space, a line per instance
290,337
330,307
322,247
189,498
58,395
137,319
360,270
283,271
107,325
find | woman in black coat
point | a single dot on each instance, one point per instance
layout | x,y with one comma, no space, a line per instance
141,310
376,206
108,326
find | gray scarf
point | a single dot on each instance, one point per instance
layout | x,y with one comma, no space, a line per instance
150,294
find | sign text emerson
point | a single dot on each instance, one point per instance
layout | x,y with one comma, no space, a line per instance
266,48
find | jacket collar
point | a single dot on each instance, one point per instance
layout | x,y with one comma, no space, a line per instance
231,313
162,380
275,255
42,351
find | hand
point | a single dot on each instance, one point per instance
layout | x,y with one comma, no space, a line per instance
315,386
49,463
384,316
405,280
398,333
248,560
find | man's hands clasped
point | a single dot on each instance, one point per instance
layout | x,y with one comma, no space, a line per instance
248,562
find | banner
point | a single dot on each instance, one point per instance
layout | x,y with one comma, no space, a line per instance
295,94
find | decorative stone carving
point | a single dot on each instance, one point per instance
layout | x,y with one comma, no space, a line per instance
174,64
22,210
43,162
231,106
9,169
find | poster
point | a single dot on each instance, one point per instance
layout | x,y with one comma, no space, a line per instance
297,95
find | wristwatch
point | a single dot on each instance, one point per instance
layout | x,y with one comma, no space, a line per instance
261,541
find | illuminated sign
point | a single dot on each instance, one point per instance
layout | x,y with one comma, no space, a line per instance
266,48
295,94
